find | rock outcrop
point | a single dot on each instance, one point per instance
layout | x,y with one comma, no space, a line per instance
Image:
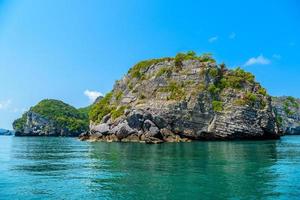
288,114
52,118
182,99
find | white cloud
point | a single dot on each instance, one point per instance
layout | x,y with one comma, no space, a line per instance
276,56
260,60
292,44
213,39
92,95
5,104
232,35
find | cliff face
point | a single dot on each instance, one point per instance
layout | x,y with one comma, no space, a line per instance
181,99
51,118
288,114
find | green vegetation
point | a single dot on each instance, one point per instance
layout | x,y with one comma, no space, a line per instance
236,79
289,104
19,123
118,112
262,91
278,119
214,72
135,71
130,86
176,90
142,96
293,102
217,106
213,89
118,95
101,108
164,70
249,99
206,57
191,55
62,114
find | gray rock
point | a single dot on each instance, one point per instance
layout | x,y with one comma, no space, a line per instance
151,129
180,104
135,120
100,128
288,113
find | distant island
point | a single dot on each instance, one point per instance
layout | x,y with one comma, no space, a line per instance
6,132
288,114
52,118
178,99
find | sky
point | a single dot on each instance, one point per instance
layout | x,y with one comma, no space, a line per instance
75,50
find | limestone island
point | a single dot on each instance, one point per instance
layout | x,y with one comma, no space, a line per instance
52,118
181,99
287,110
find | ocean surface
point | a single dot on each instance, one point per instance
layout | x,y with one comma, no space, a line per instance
65,168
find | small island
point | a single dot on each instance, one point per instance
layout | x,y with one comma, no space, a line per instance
6,132
181,99
52,118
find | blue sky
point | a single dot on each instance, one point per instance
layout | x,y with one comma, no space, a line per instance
61,48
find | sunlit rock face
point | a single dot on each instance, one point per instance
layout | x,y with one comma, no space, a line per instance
182,99
288,114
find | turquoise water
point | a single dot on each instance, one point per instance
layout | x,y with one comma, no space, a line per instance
65,168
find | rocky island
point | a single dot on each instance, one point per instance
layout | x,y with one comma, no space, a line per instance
288,114
6,132
52,118
184,98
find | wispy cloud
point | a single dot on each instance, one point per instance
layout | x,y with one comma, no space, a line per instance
92,95
5,104
276,56
259,60
232,35
292,44
213,39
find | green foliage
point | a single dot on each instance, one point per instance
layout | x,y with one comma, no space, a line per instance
250,97
19,123
217,106
191,55
136,70
240,102
101,108
206,57
213,89
178,59
293,102
214,72
176,90
142,96
62,114
118,95
130,86
286,109
118,112
262,91
164,70
279,119
236,79
289,104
